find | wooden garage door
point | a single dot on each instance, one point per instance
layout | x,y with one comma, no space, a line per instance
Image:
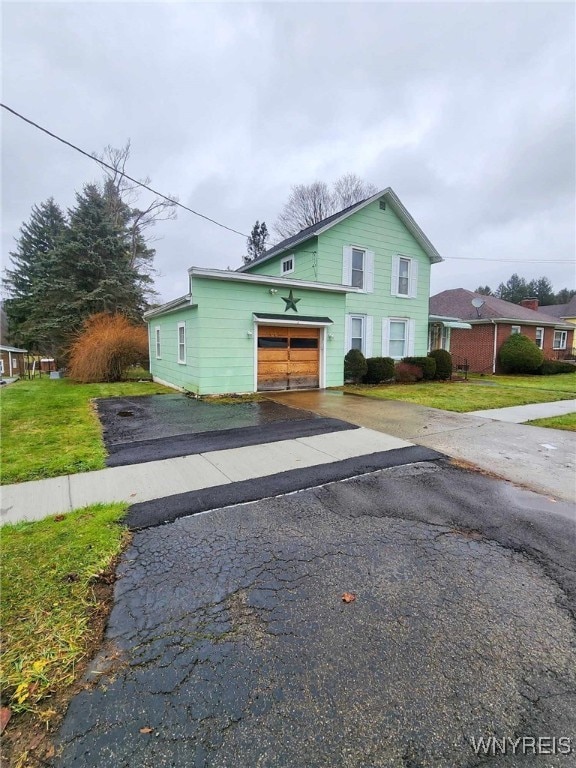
288,358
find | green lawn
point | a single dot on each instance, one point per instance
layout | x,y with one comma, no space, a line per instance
568,422
475,395
48,573
49,427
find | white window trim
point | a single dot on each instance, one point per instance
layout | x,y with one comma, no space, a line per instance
515,329
181,361
362,318
283,271
367,267
410,325
1,366
541,345
157,343
412,277
563,339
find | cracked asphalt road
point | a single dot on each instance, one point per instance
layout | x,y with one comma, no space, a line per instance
229,638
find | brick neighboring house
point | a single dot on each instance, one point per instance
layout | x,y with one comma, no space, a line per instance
493,322
566,312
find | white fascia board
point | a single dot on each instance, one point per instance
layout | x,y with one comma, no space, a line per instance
290,321
170,306
223,274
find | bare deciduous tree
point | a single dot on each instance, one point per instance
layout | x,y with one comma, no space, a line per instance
310,203
124,193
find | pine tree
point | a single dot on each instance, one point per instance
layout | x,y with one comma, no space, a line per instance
542,290
256,243
33,260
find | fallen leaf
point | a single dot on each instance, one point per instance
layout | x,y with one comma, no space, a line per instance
59,518
5,715
146,730
50,752
348,597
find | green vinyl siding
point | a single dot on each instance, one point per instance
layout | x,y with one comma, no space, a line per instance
221,335
167,368
305,263
383,233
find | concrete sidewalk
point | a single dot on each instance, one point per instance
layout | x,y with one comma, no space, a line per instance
541,459
159,479
518,414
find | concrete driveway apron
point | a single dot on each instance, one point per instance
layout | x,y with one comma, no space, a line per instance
538,458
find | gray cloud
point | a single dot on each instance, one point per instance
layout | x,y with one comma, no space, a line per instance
467,110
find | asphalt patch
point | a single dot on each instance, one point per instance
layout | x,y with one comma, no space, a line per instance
159,511
149,417
141,451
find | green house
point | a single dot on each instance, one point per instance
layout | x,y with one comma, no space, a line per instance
358,279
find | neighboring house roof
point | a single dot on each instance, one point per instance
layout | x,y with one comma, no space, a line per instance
4,348
560,310
321,226
457,302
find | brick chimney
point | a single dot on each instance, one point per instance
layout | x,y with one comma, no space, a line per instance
531,303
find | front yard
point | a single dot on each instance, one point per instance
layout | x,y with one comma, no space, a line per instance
49,427
57,576
477,394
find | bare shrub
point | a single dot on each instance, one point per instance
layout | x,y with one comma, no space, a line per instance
405,373
106,347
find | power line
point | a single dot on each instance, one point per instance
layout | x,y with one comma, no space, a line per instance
125,175
511,261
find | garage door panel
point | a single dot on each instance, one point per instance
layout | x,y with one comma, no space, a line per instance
288,358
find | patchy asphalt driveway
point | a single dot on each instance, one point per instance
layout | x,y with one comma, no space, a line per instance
229,644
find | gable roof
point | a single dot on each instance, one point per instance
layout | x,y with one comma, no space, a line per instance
458,303
314,230
560,310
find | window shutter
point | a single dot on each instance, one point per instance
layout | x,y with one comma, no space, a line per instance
395,273
369,336
385,337
411,332
347,265
347,334
413,290
369,272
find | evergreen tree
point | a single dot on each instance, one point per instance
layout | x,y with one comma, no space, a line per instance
33,260
484,290
563,296
514,290
256,243
542,290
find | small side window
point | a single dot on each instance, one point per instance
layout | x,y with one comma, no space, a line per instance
515,329
539,338
182,343
287,265
158,343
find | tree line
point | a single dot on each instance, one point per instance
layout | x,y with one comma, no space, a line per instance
95,257
517,288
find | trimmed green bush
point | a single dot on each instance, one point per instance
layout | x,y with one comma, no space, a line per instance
426,364
443,363
552,367
519,354
355,366
379,369
405,373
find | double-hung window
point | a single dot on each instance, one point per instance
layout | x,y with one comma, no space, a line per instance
182,343
515,329
559,340
357,333
398,335
398,338
539,338
404,277
358,258
358,268
158,343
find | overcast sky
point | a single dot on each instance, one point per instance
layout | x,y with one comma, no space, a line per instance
465,109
